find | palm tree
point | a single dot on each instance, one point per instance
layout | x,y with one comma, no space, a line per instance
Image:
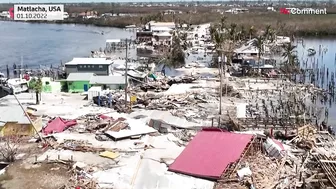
242,33
213,31
251,32
291,65
218,38
267,31
230,37
259,44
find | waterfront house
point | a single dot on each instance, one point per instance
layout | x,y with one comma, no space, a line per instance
108,82
170,25
79,82
98,66
13,120
157,30
280,40
163,38
144,36
248,49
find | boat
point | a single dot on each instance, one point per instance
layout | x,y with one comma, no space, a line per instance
17,85
311,52
2,78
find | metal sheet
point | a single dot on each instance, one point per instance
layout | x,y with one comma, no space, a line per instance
210,153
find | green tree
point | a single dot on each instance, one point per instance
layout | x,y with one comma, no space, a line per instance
259,44
269,34
291,65
36,86
225,37
176,56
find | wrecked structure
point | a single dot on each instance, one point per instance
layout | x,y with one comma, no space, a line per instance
264,137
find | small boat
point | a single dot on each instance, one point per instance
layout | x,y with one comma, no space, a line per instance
17,85
2,78
311,52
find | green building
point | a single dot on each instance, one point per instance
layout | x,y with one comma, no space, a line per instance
79,82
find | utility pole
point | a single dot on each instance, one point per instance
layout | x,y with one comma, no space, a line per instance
126,67
29,119
220,83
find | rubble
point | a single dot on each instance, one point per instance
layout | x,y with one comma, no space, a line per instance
114,145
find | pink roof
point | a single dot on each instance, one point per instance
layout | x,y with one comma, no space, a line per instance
210,153
58,125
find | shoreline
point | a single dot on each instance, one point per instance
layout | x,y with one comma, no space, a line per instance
298,25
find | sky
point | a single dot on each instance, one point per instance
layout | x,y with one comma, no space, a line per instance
86,1
97,1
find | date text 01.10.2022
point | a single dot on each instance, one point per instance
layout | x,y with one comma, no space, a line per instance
31,15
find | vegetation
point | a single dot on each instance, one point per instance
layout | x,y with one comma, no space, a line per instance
228,36
36,86
9,148
291,65
176,56
299,25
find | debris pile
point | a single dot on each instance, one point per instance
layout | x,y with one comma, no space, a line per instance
302,166
165,83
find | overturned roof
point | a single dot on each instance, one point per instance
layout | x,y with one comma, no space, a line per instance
109,80
10,111
80,76
210,153
136,74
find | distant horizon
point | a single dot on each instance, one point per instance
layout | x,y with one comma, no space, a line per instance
136,1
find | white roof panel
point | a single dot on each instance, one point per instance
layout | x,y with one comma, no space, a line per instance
113,41
10,111
80,76
107,80
160,28
95,61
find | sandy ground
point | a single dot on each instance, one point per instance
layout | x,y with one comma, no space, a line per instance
39,176
24,174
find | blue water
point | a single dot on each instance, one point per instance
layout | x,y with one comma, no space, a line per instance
321,61
46,44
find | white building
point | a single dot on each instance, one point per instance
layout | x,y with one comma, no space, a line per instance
236,10
163,38
161,29
170,25
279,40
247,50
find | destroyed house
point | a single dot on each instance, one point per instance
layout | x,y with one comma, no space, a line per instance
98,66
210,153
13,120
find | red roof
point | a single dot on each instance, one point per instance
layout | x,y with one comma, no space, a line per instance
210,153
58,125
